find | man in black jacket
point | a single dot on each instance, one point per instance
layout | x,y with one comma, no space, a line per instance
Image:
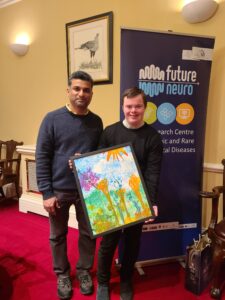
69,130
148,148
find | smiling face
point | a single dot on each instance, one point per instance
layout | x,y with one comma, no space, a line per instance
80,94
134,110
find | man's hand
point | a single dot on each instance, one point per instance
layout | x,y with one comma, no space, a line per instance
70,161
50,205
156,214
70,164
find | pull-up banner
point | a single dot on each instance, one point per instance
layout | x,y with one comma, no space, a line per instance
174,71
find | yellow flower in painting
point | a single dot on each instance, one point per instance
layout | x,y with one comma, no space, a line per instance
103,186
116,154
134,182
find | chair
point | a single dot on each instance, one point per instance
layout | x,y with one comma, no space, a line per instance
216,232
9,165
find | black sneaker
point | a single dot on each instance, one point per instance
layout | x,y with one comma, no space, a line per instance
126,290
86,284
64,287
102,292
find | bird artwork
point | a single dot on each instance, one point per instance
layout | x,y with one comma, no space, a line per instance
92,46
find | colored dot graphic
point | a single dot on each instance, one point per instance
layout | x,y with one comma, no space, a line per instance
166,113
150,113
185,113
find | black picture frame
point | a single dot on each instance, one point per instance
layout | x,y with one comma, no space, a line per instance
112,189
90,47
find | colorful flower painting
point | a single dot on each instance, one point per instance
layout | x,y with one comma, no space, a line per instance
111,189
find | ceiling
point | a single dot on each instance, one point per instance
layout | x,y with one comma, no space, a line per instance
4,3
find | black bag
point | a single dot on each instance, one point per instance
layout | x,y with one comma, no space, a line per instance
198,265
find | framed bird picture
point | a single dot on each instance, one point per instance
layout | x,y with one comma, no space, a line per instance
89,47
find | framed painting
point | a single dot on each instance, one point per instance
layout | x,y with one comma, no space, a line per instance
89,47
112,189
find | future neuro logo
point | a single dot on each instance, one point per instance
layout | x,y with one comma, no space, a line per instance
155,81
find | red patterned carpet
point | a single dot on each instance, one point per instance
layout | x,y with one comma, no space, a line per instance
26,270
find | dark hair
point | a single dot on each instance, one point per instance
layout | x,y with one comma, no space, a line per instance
82,76
132,92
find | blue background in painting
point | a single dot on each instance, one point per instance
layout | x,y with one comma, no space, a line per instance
181,175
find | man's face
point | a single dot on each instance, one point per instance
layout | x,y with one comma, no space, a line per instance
80,94
134,110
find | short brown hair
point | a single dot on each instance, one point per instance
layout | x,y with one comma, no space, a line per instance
132,92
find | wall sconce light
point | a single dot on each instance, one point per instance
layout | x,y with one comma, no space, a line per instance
19,49
21,45
199,10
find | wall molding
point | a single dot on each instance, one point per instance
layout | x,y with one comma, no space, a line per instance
26,149
214,168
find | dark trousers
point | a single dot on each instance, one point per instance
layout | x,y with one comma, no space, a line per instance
58,235
107,249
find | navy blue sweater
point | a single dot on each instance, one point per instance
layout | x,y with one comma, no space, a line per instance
61,135
148,148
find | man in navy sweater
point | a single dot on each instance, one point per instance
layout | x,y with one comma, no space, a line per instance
67,131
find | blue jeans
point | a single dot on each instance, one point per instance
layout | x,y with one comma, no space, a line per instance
58,235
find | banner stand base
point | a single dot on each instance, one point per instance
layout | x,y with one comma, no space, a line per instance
139,265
